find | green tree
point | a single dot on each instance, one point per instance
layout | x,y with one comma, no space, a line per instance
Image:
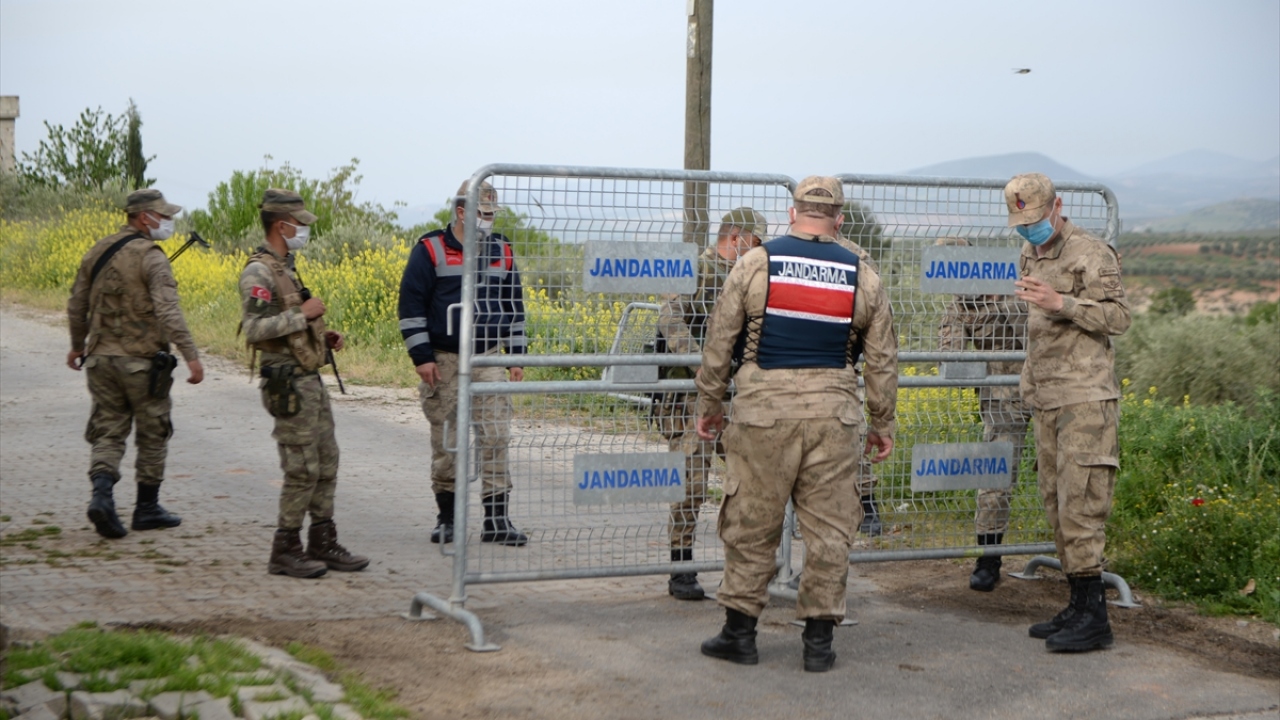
137,162
232,212
1174,302
89,156
861,226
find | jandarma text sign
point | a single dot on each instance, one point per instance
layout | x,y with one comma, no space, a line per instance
968,270
639,267
962,466
613,478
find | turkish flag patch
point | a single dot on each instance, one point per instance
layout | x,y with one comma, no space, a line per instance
261,293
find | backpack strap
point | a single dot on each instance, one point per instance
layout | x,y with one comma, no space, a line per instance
105,257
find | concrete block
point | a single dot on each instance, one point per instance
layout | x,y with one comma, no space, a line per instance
39,712
69,680
258,677
167,705
216,709
115,705
343,711
317,685
34,693
260,693
146,687
267,710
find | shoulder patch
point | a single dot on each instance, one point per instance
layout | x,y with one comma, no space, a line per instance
260,293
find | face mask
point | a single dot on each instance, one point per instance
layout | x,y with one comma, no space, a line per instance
1037,233
302,233
484,226
165,231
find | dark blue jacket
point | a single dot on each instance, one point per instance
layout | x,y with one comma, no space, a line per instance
430,285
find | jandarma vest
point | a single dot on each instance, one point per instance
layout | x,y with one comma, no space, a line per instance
306,346
808,306
448,261
120,301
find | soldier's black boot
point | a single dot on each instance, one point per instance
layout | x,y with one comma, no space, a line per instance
288,558
817,636
497,525
102,507
1043,630
736,641
986,573
322,545
149,514
684,586
444,519
1089,628
870,526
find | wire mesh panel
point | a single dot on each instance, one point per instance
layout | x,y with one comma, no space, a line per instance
960,355
594,475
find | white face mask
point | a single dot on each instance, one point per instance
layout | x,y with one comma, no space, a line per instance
484,226
301,234
165,231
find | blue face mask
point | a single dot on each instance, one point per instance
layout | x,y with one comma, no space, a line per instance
1037,233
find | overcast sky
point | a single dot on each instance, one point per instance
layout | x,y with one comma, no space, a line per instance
426,91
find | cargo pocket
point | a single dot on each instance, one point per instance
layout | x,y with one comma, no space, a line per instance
1101,482
161,419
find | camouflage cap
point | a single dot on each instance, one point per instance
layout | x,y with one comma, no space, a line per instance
821,190
286,201
1027,196
747,220
150,199
488,196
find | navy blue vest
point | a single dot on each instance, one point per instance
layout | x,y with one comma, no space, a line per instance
809,307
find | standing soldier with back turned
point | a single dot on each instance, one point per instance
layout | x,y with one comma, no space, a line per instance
797,311
682,324
1071,281
123,314
283,325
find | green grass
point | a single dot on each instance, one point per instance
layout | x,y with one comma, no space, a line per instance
372,703
30,535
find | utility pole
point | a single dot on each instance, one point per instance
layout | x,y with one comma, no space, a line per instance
697,118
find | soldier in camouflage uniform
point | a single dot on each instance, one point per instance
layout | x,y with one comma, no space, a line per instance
796,311
283,325
123,314
1071,281
991,323
681,328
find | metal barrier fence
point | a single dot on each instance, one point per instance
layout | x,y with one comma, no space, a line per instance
598,250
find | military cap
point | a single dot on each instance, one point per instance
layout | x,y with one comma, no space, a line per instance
488,196
748,220
150,199
1027,197
286,201
811,189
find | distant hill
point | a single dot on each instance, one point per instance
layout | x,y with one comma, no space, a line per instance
1003,166
1232,216
1154,191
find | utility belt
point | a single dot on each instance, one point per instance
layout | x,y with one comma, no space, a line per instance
280,388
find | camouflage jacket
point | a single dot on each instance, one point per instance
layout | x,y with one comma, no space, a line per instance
683,319
1070,356
765,395
132,309
992,323
271,313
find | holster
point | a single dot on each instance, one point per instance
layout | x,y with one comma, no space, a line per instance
160,377
283,399
669,413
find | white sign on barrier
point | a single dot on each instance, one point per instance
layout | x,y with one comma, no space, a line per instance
968,270
615,478
962,466
640,267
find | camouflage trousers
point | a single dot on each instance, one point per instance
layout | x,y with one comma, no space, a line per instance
811,462
490,419
121,401
699,455
1003,419
1077,454
308,455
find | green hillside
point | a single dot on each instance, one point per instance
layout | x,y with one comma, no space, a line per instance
1233,216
